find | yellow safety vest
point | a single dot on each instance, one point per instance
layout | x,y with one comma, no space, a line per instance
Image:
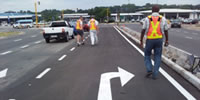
93,25
78,25
154,31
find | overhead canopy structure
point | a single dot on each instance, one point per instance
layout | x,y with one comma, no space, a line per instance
127,16
176,13
13,17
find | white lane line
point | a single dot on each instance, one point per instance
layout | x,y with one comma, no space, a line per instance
11,99
37,42
7,52
33,36
25,46
43,73
187,37
61,58
195,33
163,72
72,49
17,40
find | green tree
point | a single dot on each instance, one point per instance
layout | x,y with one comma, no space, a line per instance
50,15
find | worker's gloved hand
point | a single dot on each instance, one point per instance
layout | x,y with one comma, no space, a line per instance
166,43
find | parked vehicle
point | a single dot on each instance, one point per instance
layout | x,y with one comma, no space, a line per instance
176,23
85,26
195,21
58,30
142,21
23,24
73,24
187,21
138,20
132,20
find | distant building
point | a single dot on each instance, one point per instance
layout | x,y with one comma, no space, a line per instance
176,13
13,17
127,16
76,16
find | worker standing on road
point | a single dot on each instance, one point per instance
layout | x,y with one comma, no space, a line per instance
93,24
154,27
79,28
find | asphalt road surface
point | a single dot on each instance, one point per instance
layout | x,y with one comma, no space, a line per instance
184,39
62,71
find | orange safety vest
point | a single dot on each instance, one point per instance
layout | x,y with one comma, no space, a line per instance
78,25
93,25
154,31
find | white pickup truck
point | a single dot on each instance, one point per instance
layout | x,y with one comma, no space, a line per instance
58,30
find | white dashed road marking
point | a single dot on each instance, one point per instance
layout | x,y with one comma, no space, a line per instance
43,73
187,37
17,40
72,49
195,33
7,52
25,46
61,58
33,36
37,42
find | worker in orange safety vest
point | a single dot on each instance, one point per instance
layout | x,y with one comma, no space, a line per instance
155,26
79,28
93,24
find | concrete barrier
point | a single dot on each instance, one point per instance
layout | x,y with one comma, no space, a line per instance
177,59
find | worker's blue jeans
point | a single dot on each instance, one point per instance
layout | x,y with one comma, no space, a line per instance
156,45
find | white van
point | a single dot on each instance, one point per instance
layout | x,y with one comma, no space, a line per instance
23,24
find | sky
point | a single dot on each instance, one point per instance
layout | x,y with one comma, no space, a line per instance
17,5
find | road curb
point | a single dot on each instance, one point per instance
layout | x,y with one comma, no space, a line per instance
184,73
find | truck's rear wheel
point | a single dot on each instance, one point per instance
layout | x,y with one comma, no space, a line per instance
72,36
66,39
47,40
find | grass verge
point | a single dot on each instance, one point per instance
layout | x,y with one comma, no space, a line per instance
7,34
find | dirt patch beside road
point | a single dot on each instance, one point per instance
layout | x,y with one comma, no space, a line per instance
192,26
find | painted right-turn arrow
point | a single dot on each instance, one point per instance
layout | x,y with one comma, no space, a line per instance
105,85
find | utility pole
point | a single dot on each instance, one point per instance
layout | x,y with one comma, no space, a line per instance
128,10
62,16
36,15
107,15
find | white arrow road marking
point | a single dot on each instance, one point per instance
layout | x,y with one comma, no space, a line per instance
163,72
61,58
3,73
25,46
7,52
17,40
72,49
105,85
43,73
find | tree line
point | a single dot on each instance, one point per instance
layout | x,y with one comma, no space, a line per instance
102,12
